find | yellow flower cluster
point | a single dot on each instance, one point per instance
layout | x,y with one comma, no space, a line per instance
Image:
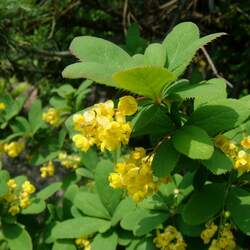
52,116
69,161
47,169
170,239
225,240
208,233
83,243
134,175
2,106
13,149
18,197
104,126
238,154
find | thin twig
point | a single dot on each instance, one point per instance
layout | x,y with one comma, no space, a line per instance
214,69
124,17
168,4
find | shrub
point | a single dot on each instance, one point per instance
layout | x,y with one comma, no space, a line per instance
187,187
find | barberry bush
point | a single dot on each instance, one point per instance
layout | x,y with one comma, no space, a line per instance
165,166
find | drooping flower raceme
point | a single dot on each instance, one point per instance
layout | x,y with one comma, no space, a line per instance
225,241
69,161
52,116
134,175
47,169
208,233
237,153
103,125
13,149
18,197
170,239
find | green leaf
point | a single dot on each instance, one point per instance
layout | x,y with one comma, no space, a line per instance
146,244
90,70
181,45
59,103
151,119
204,204
126,205
37,206
155,55
187,55
68,200
84,172
146,81
49,190
178,41
246,100
89,159
188,230
90,204
219,163
64,91
142,221
3,189
107,241
109,196
239,206
17,237
202,92
193,142
4,177
165,159
64,245
79,227
21,125
218,116
98,50
35,116
134,42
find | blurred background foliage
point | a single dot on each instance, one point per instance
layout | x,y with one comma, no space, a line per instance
35,36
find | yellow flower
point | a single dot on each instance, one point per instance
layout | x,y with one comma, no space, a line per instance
18,197
52,116
246,142
116,180
2,106
13,149
14,209
227,146
105,109
47,170
28,188
127,105
11,184
69,161
209,232
225,240
242,161
24,202
103,126
81,142
10,197
134,175
83,243
170,239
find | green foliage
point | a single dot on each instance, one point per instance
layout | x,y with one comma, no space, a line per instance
165,159
17,237
193,142
197,211
192,169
